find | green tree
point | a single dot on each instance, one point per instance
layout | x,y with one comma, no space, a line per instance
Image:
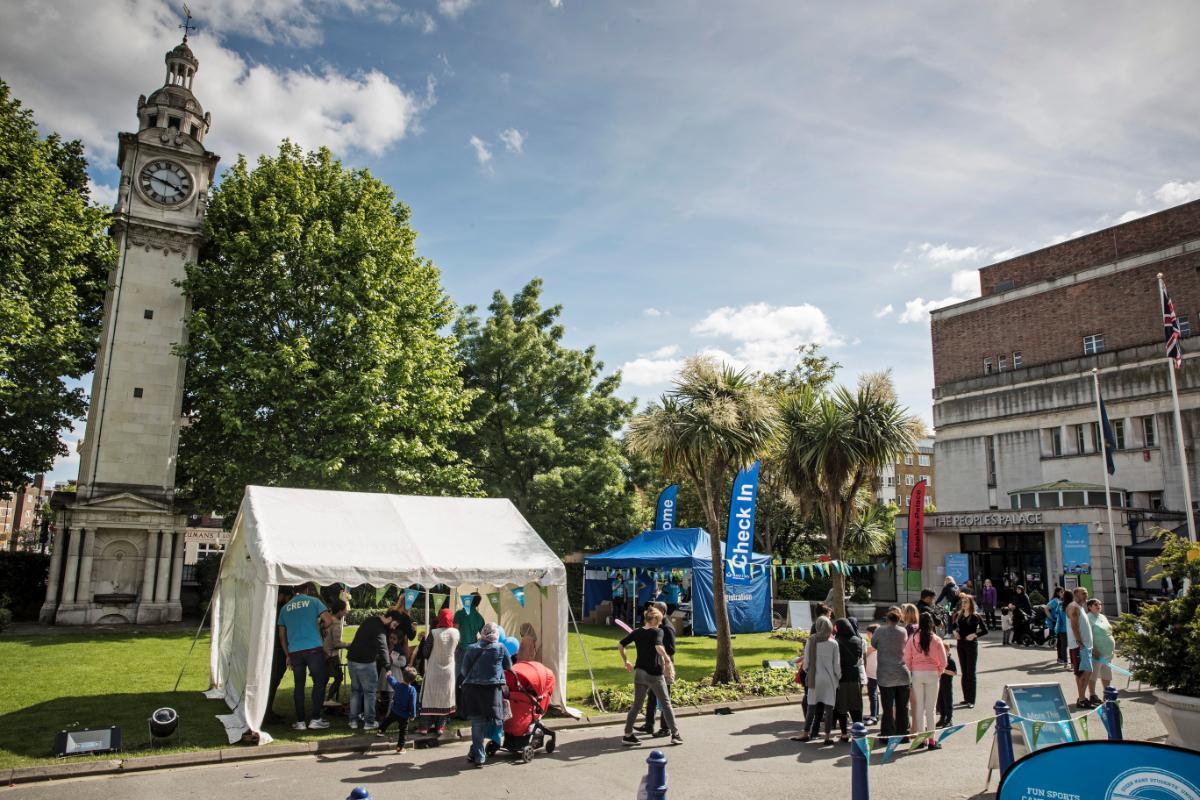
713,422
833,443
315,357
54,258
545,423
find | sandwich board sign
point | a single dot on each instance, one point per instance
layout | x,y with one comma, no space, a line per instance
1035,702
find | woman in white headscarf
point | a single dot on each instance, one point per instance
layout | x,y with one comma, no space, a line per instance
482,672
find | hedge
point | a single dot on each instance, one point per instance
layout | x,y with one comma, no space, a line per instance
23,582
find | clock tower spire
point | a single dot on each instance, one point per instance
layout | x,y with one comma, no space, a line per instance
118,552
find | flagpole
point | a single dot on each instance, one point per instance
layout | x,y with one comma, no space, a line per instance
1112,531
1183,465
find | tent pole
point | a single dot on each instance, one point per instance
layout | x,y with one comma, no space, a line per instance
195,639
586,660
428,627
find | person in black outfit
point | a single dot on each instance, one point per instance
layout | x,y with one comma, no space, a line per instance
278,660
652,701
945,698
968,627
849,691
1020,601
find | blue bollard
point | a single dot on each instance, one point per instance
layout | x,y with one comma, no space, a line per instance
656,776
359,793
860,786
1004,745
1112,714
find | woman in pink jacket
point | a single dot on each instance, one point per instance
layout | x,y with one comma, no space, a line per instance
925,656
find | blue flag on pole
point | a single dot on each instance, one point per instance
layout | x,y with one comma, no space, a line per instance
519,593
664,517
1109,440
739,537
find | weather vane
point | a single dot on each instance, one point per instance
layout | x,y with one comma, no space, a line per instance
187,25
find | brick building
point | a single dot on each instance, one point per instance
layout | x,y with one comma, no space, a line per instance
1022,465
896,481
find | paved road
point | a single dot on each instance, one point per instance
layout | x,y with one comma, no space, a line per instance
746,754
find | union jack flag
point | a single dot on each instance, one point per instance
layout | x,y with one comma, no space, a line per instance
1171,329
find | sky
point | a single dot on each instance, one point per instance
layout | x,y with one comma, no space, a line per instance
738,178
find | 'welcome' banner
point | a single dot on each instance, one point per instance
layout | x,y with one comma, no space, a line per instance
739,537
916,526
664,518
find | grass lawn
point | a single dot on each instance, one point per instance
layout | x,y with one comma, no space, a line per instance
56,678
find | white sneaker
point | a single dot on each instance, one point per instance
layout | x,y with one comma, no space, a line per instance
370,726
353,724
318,725
299,726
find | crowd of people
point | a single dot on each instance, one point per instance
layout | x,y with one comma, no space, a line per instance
456,668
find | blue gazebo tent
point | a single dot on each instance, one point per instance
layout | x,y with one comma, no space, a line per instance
749,601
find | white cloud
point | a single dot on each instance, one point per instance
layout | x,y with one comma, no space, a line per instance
664,352
483,153
102,194
885,311
917,309
965,282
767,336
514,140
939,254
556,3
253,105
453,8
421,20
655,312
649,371
1176,192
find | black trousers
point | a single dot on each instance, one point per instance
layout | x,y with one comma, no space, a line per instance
945,699
278,668
1060,641
305,662
968,658
894,721
819,712
401,723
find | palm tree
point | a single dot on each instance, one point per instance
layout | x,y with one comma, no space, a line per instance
833,443
712,423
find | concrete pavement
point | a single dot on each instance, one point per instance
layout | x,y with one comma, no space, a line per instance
741,755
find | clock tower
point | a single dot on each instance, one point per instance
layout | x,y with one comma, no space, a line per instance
118,550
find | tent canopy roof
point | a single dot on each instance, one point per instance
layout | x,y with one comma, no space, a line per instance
678,548
297,535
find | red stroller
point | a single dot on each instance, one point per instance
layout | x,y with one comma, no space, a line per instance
530,685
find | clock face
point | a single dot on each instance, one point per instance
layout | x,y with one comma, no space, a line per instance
165,182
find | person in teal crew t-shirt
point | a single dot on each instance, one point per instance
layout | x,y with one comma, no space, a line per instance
299,624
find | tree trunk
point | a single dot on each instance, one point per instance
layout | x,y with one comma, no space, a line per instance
725,670
834,531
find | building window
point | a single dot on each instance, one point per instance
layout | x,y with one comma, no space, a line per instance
1148,433
908,480
1001,363
1017,361
173,123
908,459
137,391
1156,501
928,480
208,548
1056,447
1185,326
1093,344
148,313
989,443
1118,426
1080,439
923,459
987,366
1097,442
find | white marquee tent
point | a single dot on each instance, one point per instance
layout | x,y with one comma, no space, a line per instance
290,536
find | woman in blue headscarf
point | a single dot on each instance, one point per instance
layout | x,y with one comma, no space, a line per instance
482,671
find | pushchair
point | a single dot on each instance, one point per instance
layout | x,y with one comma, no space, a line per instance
530,685
1039,633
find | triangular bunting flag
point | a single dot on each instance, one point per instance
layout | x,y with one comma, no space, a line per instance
1037,731
519,593
1068,730
864,745
545,590
918,740
892,742
982,727
410,597
948,732
379,593
494,599
438,599
1083,726
466,602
